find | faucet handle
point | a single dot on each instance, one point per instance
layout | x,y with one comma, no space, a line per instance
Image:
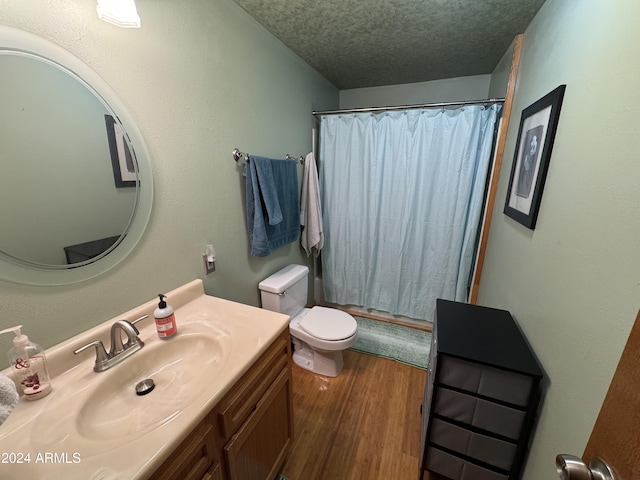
139,319
101,354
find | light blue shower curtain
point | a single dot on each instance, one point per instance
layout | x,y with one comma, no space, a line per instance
402,194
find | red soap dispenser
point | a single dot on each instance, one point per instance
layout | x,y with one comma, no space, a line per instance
165,319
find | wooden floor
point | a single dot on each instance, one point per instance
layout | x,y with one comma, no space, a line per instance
363,424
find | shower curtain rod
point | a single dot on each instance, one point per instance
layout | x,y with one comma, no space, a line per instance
408,107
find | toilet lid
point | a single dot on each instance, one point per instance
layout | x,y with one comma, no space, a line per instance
328,324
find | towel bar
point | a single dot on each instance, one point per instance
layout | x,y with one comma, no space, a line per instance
237,155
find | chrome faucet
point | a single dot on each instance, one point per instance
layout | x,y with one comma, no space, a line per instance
117,347
119,350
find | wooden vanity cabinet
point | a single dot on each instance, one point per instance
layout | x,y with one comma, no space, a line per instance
248,434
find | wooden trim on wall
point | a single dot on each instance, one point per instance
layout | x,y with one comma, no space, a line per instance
497,165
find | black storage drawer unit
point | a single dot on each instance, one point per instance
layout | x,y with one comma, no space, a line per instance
481,396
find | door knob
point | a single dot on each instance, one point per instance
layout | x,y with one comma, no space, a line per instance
570,467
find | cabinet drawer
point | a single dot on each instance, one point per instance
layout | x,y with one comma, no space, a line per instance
193,457
214,474
479,413
457,469
236,406
490,382
475,445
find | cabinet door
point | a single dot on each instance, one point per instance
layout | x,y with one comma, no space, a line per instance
258,449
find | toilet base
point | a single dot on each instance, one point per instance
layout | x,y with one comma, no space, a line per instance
324,363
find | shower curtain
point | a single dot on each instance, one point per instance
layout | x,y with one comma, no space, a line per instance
402,195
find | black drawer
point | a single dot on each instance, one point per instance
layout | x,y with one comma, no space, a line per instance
493,451
490,382
457,469
479,413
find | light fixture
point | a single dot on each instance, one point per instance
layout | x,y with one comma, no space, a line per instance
122,13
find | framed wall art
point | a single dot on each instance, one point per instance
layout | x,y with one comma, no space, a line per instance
531,158
122,161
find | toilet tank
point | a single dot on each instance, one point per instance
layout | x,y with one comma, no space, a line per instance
286,290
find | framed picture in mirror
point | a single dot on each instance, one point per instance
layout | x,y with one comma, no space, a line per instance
531,158
122,161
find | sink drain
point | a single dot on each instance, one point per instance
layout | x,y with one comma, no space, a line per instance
145,386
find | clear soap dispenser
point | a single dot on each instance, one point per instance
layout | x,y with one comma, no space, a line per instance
29,365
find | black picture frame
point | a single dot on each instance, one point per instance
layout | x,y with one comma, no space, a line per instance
122,159
536,135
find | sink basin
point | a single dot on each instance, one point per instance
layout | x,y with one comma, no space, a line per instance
114,409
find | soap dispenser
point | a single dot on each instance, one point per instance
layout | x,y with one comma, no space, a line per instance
28,365
165,319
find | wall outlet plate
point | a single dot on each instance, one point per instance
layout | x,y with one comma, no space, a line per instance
209,267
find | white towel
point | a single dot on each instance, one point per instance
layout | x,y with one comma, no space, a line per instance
310,209
8,397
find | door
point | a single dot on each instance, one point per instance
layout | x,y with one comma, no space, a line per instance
616,435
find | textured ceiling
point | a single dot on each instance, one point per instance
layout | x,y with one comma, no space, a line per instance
366,43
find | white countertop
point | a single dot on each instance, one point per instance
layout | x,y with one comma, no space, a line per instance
50,434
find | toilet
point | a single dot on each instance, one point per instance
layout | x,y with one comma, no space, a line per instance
319,334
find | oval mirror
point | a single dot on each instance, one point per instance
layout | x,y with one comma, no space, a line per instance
76,186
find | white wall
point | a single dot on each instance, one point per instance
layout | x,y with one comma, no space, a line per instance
448,90
199,78
573,283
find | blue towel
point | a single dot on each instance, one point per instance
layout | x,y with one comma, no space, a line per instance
273,205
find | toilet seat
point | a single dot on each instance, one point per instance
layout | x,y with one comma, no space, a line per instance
328,324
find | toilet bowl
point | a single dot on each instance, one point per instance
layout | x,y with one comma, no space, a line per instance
319,334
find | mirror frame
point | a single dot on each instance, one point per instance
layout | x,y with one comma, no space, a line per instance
32,274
